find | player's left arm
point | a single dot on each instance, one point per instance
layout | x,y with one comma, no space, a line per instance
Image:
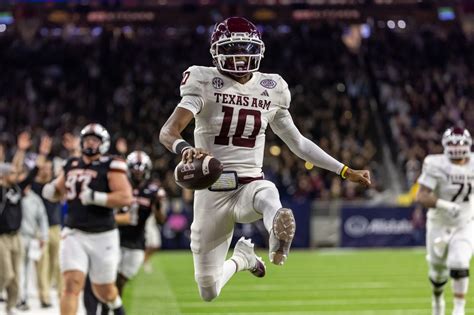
123,218
285,128
120,194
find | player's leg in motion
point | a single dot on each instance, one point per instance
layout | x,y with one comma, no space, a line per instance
436,247
73,264
73,284
279,222
211,234
212,271
90,300
104,255
459,256
438,274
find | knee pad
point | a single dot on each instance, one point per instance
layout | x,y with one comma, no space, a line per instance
207,287
208,293
438,285
206,281
459,273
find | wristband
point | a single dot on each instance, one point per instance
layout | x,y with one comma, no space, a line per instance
179,145
446,205
99,198
343,172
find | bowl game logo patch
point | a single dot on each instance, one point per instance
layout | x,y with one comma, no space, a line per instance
268,83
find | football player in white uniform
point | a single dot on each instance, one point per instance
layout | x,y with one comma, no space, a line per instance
446,189
233,104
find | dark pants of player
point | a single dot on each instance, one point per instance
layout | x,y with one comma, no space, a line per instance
91,302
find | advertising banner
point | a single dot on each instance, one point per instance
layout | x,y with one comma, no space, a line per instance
382,227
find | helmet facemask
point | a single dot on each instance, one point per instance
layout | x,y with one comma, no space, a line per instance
139,166
457,146
99,132
239,54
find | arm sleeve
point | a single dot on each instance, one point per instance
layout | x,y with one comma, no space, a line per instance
193,103
429,174
118,165
284,127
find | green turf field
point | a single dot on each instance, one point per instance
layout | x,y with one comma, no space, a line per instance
369,282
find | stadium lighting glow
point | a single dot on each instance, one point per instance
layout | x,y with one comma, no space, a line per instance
391,24
308,166
402,24
3,28
365,30
275,150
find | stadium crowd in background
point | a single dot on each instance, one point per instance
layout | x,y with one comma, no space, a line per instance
129,82
425,86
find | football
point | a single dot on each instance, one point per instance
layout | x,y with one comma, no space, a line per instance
201,173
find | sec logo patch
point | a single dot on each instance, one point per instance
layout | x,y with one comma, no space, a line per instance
217,83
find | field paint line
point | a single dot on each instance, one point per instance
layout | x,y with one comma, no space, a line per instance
237,287
280,302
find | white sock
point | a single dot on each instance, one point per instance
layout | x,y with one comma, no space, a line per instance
237,260
228,271
460,286
115,304
459,304
267,202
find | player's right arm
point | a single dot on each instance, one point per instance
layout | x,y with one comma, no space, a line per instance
428,182
190,105
55,190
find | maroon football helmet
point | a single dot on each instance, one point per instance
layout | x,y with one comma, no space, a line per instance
457,143
237,46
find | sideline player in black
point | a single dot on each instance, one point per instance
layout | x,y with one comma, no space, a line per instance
147,200
93,184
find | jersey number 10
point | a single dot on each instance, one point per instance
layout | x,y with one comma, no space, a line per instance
238,139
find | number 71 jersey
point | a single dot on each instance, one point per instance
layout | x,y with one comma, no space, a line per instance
231,118
450,182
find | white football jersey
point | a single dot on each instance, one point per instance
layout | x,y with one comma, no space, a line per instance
450,182
231,119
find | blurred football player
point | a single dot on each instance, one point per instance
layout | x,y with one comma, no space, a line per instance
148,200
446,189
233,104
93,185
